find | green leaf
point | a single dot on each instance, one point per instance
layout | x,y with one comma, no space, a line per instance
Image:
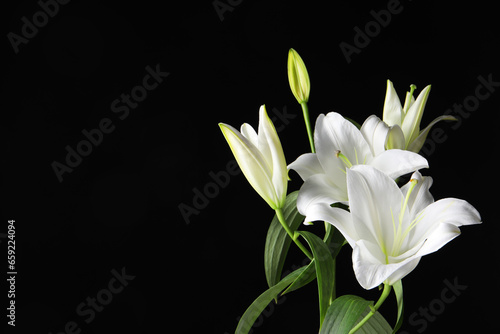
255,309
334,239
307,276
347,311
344,313
375,325
278,241
398,290
325,273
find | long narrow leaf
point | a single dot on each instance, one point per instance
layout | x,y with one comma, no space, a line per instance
278,241
305,278
324,271
398,290
255,309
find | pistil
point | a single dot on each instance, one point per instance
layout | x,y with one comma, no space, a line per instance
412,89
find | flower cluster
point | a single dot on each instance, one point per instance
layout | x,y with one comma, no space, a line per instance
351,182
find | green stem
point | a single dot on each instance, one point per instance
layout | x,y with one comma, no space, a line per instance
383,296
305,111
292,234
334,290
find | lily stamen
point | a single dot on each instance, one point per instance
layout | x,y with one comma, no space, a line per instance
339,154
399,235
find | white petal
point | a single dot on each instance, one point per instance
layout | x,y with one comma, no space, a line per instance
375,133
392,114
319,188
270,144
252,164
307,165
420,196
339,218
411,122
371,272
326,146
417,144
449,211
395,163
440,236
375,204
409,100
334,133
395,138
404,269
248,131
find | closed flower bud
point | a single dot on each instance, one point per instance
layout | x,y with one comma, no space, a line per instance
298,77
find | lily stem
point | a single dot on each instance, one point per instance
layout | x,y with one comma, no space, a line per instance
305,111
292,234
383,296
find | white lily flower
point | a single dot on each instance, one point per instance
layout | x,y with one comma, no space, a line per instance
404,122
261,158
340,145
390,228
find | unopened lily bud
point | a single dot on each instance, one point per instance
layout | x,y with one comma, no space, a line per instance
298,77
261,158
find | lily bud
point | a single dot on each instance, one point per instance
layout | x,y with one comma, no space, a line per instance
261,158
405,120
298,77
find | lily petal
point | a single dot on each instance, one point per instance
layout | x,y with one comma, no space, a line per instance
339,218
375,132
417,144
307,165
319,188
334,133
420,196
404,269
395,138
409,100
450,211
440,236
395,163
370,272
371,216
392,114
252,163
270,145
248,131
411,121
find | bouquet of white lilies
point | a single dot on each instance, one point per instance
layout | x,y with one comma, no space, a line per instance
350,183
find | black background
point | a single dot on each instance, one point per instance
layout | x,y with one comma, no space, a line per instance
119,208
